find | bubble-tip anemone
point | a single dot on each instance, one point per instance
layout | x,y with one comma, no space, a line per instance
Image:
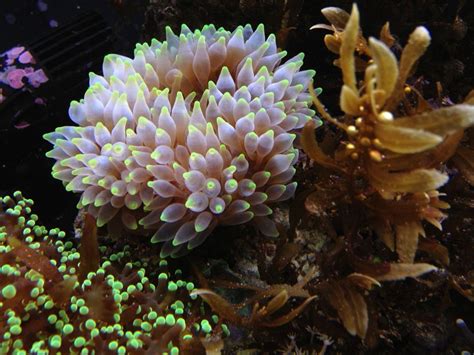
194,132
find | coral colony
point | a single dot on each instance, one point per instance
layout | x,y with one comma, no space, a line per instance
193,132
45,304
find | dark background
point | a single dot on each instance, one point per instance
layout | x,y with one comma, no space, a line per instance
23,20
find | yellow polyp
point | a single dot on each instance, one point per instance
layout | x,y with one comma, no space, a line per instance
352,130
364,141
375,156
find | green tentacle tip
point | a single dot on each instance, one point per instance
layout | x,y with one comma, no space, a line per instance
9,291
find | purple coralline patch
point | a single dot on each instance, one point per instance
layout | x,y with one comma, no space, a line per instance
14,52
18,71
22,125
40,101
37,78
42,6
26,58
15,78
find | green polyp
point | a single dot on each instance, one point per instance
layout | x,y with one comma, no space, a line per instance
6,269
30,306
15,329
170,320
55,341
34,292
179,311
79,342
90,324
18,344
134,343
146,326
205,326
174,351
84,310
152,315
113,345
9,291
187,337
14,321
190,286
13,212
177,304
94,332
225,329
172,286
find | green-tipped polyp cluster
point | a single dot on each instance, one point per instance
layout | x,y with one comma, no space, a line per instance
46,306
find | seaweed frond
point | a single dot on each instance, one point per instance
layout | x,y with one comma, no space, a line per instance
395,143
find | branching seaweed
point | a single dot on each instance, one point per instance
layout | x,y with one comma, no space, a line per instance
390,159
382,162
